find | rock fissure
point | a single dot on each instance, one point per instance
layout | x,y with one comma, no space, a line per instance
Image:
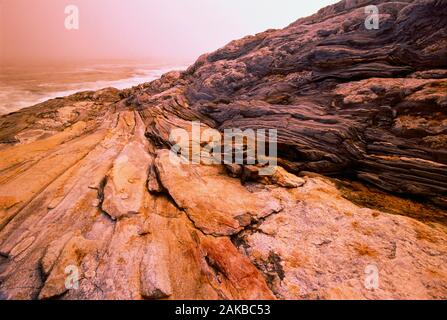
88,180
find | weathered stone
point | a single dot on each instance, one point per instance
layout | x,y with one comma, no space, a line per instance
126,184
321,246
193,189
88,181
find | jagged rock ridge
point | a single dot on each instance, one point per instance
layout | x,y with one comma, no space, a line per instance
86,180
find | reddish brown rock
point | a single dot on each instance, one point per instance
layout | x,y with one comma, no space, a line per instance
87,182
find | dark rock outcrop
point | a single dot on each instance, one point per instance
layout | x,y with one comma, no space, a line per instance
344,98
87,183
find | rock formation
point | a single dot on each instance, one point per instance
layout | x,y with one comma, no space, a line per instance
87,182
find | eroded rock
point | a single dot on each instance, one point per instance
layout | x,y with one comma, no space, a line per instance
88,183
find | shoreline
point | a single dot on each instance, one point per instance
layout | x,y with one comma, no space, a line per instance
35,93
93,183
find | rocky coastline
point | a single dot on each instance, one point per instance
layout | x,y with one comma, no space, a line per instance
86,180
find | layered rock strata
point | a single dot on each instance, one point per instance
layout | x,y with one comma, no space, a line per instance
87,181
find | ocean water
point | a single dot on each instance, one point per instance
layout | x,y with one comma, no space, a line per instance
22,87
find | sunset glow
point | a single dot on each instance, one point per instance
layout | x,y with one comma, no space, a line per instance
176,30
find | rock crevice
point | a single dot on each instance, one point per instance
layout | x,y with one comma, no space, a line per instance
88,186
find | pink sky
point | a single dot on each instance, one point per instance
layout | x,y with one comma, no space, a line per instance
32,31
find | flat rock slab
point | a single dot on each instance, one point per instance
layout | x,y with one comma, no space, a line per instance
217,204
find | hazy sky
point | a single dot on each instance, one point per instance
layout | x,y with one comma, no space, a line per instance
172,30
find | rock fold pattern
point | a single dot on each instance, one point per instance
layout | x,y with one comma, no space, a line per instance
88,188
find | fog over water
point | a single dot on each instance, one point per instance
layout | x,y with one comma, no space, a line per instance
26,86
120,42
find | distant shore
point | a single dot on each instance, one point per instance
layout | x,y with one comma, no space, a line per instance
21,87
